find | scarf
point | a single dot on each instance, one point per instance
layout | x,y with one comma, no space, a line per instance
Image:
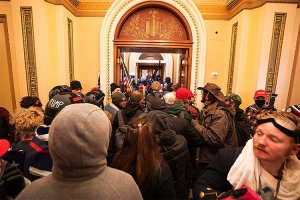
247,171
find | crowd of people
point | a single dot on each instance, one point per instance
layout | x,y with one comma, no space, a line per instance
153,145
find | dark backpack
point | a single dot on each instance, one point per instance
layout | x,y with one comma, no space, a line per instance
122,129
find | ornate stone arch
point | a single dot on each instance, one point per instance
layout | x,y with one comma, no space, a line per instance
119,8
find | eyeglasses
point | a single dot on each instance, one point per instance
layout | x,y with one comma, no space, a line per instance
286,122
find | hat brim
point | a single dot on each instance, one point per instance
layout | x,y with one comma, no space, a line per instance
200,88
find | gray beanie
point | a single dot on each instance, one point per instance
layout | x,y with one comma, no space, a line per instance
118,97
156,103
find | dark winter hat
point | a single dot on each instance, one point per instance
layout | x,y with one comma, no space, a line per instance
163,126
214,90
95,97
58,102
156,103
160,119
113,86
59,89
118,97
75,85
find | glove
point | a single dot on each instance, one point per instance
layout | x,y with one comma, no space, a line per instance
12,181
233,194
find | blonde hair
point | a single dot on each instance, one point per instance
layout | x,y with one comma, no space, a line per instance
27,121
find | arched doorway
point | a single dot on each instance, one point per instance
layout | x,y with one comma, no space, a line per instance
153,28
109,50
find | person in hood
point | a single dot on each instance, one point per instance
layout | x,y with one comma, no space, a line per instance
79,160
215,126
37,155
261,105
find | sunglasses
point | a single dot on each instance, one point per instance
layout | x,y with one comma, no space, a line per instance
284,121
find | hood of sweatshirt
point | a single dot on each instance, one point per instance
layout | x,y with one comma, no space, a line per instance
131,108
78,141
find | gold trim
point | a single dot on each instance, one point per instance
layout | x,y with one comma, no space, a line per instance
3,19
29,51
288,103
275,51
71,52
208,11
232,58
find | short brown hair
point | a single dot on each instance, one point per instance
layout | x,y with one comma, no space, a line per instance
136,96
27,121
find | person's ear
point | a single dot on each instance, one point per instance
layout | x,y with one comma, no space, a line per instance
295,149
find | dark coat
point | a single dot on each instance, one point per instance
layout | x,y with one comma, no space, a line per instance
243,128
161,186
183,127
217,129
215,175
177,157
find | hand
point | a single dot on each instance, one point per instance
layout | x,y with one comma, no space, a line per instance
232,194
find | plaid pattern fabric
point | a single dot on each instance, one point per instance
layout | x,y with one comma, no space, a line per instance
252,112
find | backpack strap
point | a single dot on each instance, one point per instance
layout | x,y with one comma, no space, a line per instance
120,118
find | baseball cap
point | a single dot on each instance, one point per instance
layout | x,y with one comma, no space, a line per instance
182,93
260,93
58,102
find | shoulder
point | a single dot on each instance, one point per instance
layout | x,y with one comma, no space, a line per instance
126,189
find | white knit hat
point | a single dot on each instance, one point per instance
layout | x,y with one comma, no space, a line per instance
170,98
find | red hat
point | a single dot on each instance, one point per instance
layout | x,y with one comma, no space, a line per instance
182,93
191,94
4,146
260,93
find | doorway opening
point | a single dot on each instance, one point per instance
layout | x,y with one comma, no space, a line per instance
142,64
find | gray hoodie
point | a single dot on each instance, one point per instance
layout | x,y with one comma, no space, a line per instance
78,142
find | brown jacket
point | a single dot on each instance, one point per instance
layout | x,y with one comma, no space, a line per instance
217,129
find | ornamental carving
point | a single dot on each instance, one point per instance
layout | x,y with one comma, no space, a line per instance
153,24
232,57
275,51
71,52
29,51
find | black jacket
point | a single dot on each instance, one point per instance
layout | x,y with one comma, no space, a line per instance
161,186
176,154
243,128
215,175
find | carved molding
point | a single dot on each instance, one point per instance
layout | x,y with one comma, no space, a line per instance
29,51
3,20
71,52
275,51
232,57
288,103
209,11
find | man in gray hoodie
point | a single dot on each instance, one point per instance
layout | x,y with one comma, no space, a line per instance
78,142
